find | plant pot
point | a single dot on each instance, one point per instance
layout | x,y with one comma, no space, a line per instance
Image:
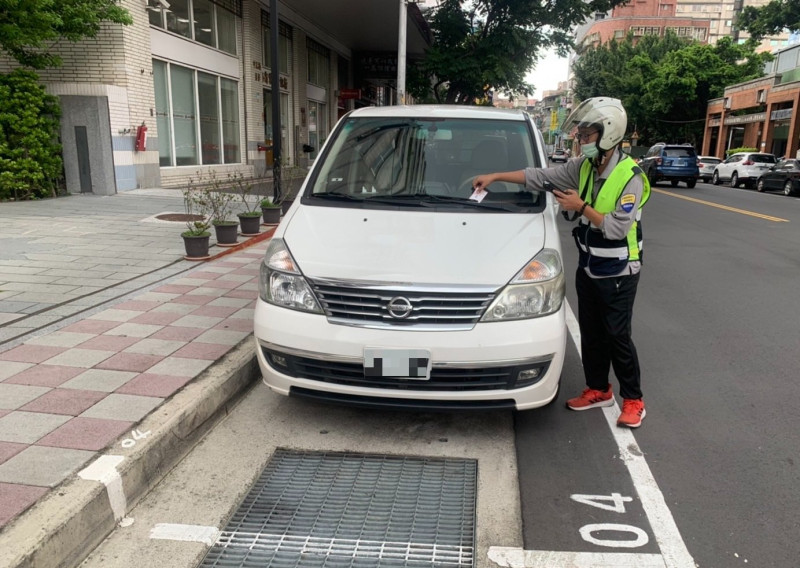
272,215
251,224
227,233
285,205
196,246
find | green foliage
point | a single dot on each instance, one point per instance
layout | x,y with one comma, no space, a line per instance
770,19
30,156
28,26
732,151
482,45
196,203
666,82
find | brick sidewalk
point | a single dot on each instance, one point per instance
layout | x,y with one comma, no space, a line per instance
69,393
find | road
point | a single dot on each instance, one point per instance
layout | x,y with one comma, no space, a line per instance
709,480
715,326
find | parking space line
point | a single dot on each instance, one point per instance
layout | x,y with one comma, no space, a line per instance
670,542
718,206
518,558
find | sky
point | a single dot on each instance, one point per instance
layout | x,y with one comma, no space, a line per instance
548,72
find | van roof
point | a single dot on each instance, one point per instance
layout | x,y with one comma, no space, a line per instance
440,111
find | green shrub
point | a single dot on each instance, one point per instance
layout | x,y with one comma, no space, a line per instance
733,151
30,156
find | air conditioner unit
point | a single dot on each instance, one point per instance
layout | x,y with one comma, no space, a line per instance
727,102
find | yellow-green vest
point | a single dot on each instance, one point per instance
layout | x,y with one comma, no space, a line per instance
607,257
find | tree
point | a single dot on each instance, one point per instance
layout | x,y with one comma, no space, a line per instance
484,45
28,26
665,83
770,19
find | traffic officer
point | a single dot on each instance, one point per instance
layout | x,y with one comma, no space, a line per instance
607,190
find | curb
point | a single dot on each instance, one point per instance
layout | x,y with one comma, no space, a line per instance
65,526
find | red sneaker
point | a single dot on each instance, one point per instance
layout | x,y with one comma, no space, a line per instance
632,413
591,398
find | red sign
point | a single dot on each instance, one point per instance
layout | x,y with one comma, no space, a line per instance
350,94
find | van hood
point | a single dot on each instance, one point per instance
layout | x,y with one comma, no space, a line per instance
413,247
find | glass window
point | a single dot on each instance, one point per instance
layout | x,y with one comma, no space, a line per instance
155,13
226,30
317,126
230,121
178,18
183,116
204,22
209,118
163,118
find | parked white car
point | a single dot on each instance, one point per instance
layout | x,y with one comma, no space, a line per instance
386,285
707,165
743,168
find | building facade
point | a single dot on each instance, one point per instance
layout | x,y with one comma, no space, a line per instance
187,88
761,114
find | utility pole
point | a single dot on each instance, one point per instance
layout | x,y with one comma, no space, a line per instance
401,54
276,100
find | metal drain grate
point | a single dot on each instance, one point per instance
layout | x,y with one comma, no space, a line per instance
330,509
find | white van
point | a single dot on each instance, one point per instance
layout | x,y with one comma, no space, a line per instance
385,285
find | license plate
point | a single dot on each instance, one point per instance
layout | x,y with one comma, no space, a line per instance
680,162
397,363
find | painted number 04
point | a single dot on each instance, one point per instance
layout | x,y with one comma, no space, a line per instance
616,503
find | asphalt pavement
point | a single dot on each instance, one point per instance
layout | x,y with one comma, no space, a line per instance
103,324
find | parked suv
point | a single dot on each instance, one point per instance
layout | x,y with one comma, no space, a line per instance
388,283
743,168
673,162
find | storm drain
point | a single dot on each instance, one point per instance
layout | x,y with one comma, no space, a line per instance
329,509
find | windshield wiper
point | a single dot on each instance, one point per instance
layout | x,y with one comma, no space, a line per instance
336,195
426,199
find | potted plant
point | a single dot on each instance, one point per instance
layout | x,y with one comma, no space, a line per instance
250,218
293,177
271,211
220,202
196,237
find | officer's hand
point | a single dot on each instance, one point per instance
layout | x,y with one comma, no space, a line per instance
480,182
568,199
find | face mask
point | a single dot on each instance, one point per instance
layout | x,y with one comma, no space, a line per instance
590,150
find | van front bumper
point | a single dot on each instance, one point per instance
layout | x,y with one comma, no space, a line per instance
500,364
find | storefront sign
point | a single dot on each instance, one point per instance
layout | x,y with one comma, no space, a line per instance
350,94
757,117
782,114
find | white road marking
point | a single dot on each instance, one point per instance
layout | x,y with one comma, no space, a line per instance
185,533
104,470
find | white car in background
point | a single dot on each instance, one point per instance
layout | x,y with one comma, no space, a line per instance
743,168
707,165
387,284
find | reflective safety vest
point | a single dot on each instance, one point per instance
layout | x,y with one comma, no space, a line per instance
608,257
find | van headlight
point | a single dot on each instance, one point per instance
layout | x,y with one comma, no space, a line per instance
537,290
281,283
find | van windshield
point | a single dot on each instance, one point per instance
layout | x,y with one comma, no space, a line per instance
384,159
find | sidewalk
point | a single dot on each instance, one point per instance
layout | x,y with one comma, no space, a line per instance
102,321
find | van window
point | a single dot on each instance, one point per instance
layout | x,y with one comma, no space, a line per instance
376,157
763,158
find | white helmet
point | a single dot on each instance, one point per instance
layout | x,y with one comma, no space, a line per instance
605,114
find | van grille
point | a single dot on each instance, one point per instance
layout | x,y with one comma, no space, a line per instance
378,306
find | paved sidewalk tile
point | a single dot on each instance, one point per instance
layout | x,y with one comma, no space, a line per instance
179,367
104,380
43,466
45,375
31,353
70,402
109,342
197,350
114,314
155,346
134,329
9,450
92,326
202,322
27,427
138,362
123,407
85,434
173,333
13,396
148,384
16,498
11,368
76,357
157,318
222,337
61,339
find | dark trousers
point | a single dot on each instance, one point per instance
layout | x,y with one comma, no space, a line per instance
605,310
